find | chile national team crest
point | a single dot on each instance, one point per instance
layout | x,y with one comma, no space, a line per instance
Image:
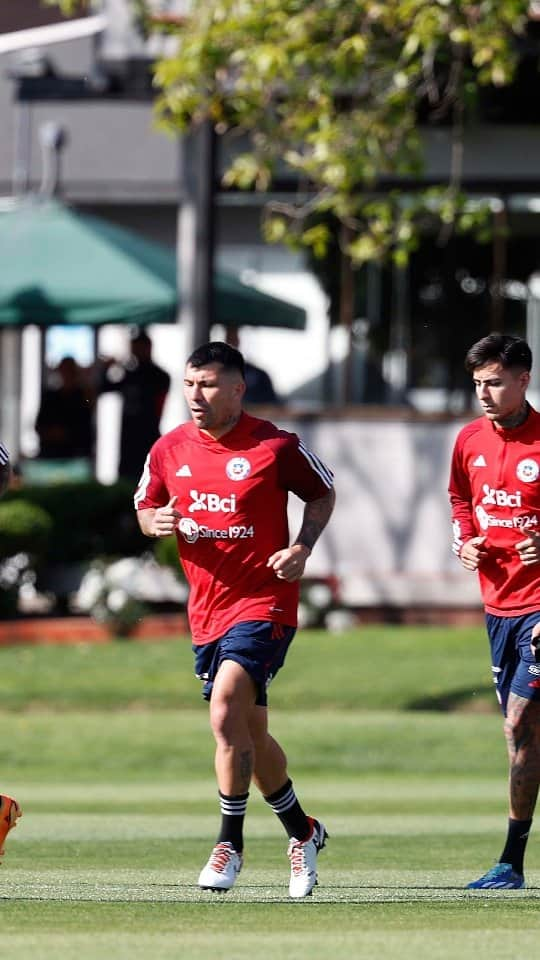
238,468
527,471
189,529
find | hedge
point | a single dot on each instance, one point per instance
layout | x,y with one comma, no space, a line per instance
87,520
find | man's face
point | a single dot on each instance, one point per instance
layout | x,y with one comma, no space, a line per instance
500,392
214,397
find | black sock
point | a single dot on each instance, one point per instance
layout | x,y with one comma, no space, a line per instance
285,805
516,841
233,810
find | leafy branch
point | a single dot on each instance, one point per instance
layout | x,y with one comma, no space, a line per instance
327,94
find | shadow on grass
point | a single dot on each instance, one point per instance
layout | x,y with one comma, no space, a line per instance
470,700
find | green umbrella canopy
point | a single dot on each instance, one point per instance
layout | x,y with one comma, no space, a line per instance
58,266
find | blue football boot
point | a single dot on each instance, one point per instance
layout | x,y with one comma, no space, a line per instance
500,877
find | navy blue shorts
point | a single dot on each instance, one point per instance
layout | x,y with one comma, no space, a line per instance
514,667
259,646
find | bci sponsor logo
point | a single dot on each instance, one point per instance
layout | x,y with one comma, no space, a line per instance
501,498
212,502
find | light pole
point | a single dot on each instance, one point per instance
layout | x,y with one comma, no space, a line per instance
195,234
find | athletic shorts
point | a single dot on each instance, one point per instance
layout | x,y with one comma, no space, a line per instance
259,646
514,667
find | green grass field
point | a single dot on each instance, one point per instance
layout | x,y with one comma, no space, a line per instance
393,739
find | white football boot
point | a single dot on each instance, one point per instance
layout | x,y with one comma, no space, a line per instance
303,857
222,869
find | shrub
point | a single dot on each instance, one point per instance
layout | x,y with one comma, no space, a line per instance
25,531
88,520
25,527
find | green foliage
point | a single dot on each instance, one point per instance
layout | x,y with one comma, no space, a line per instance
166,554
329,91
69,7
25,533
25,527
88,519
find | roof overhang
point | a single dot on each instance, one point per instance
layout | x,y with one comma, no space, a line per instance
52,33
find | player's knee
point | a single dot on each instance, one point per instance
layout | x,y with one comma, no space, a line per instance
522,732
225,719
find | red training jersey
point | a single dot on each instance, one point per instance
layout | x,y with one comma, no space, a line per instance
232,495
495,492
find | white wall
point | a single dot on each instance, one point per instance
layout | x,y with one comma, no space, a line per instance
389,540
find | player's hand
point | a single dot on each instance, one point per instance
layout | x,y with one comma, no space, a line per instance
165,519
535,642
289,564
529,549
473,552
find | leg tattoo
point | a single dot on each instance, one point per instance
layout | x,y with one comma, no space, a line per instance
522,732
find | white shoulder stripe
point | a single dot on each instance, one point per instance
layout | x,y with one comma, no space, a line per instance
317,465
144,482
4,455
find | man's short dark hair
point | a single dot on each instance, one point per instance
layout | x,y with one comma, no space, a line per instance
217,352
499,348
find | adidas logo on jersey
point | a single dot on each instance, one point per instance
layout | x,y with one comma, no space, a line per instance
480,461
183,471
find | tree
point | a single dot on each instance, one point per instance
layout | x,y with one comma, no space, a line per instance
328,94
329,91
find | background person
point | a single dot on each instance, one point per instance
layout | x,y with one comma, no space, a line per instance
495,496
143,387
65,420
221,484
259,386
10,810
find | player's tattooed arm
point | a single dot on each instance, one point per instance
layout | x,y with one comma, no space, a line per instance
289,563
316,515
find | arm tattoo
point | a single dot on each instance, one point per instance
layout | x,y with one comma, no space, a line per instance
316,515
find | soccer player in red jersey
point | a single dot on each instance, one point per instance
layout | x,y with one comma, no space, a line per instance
9,808
495,497
220,483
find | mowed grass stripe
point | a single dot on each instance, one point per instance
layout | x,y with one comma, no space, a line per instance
216,914
177,745
360,796
374,667
268,885
357,943
362,789
99,828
